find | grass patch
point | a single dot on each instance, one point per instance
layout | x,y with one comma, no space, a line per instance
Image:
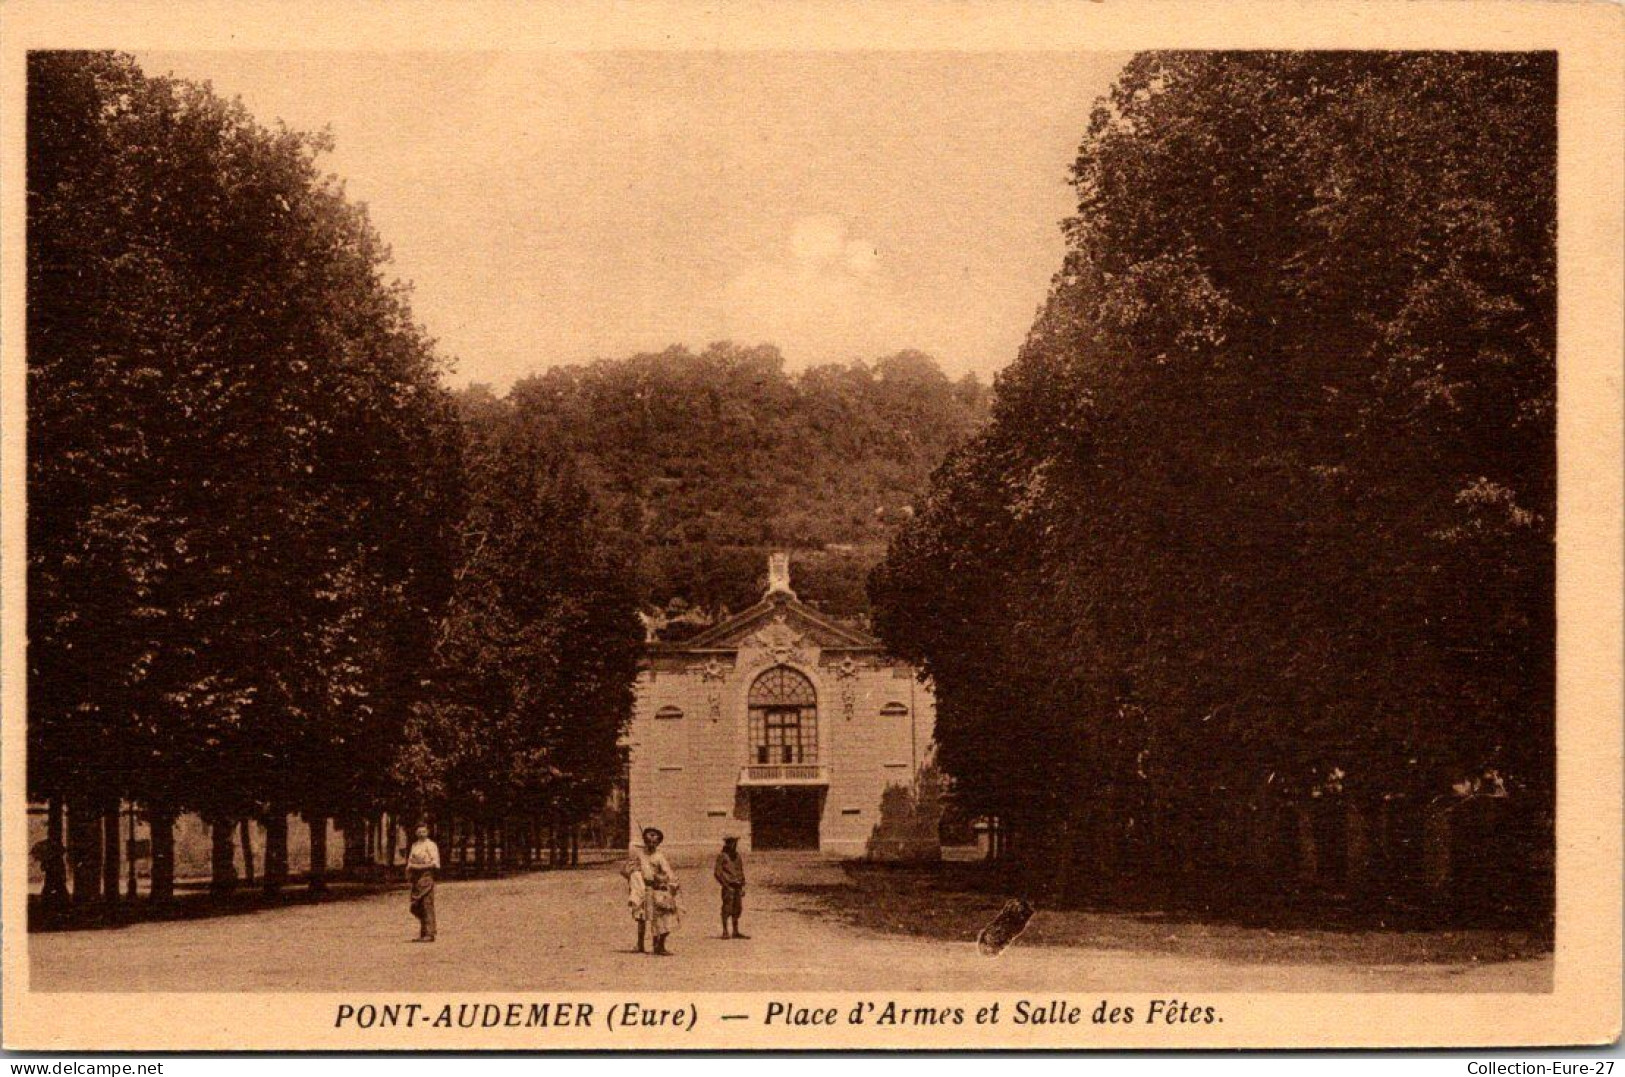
954,901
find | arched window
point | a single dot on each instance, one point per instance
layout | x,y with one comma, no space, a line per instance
894,709
783,718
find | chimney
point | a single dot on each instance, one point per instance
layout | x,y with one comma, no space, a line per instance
778,574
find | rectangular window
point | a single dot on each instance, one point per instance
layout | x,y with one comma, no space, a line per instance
782,735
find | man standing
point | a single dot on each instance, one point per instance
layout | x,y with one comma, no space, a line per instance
421,864
652,891
730,873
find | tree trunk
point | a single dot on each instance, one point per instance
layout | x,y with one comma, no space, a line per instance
1073,848
390,841
276,850
161,822
110,854
355,843
56,865
318,853
1359,848
222,858
245,833
575,844
1308,850
1436,842
130,861
1261,829
84,851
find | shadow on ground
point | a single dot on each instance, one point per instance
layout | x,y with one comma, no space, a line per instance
954,901
194,901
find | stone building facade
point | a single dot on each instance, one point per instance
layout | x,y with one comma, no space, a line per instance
778,725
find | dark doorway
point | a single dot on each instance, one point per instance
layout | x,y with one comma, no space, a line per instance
785,817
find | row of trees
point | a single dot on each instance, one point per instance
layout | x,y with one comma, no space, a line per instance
1263,523
272,568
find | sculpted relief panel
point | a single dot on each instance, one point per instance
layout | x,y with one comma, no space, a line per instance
777,643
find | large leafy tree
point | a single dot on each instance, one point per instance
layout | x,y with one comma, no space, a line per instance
241,464
534,662
1267,504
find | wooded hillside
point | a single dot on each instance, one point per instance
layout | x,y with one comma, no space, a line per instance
702,463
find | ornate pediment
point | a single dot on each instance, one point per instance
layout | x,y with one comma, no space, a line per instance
778,625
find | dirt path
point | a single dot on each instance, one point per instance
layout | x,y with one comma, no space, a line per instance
569,931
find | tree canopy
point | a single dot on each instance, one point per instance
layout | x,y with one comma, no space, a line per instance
252,502
534,662
226,398
1266,507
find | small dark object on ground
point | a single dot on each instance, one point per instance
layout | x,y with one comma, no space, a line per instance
1005,928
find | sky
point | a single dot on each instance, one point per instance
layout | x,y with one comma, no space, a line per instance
560,207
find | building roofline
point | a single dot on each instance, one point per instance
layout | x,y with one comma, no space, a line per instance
662,648
782,601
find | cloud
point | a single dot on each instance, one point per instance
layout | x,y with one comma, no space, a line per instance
826,297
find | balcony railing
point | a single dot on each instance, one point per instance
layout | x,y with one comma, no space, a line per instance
784,774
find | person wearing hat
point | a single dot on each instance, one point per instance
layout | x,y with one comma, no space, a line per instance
652,891
421,864
730,874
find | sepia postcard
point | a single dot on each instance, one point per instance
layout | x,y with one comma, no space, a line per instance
811,526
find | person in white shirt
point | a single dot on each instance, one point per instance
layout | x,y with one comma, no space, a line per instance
652,891
421,864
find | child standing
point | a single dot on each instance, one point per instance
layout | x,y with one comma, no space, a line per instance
730,873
